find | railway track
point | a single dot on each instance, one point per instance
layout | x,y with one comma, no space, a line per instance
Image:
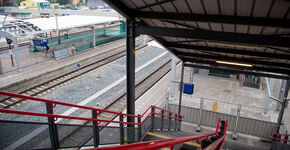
117,105
109,56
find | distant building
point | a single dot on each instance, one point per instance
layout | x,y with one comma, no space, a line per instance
96,3
43,4
8,2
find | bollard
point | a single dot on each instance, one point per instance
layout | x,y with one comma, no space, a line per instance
235,134
96,135
52,128
121,130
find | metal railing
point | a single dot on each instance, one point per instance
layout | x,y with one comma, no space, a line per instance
172,143
153,118
237,123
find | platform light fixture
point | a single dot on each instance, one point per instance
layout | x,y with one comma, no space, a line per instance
234,63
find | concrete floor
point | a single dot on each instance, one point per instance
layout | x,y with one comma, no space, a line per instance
228,93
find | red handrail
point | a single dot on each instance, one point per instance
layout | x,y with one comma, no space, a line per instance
278,137
152,145
61,103
74,105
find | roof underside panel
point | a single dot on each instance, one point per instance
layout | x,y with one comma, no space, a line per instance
204,31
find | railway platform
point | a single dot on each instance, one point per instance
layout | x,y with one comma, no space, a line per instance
42,70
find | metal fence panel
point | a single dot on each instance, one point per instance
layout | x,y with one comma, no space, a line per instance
13,131
157,123
256,127
249,126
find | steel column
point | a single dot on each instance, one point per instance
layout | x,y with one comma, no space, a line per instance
198,129
281,94
191,75
235,134
121,130
95,130
16,51
94,36
104,29
52,128
130,56
284,103
172,75
181,88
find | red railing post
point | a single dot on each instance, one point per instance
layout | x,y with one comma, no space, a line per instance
139,128
175,123
121,130
162,120
169,118
217,126
52,127
152,118
95,130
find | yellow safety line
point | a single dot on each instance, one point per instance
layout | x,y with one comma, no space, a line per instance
166,137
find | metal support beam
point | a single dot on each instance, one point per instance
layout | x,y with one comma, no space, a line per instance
228,50
94,36
120,8
235,59
238,69
256,21
181,88
265,40
284,103
130,56
155,4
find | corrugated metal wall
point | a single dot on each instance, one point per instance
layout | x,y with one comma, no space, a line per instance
209,118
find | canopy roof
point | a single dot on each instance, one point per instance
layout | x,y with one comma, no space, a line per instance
254,32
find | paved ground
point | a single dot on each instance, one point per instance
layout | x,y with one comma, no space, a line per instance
228,93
